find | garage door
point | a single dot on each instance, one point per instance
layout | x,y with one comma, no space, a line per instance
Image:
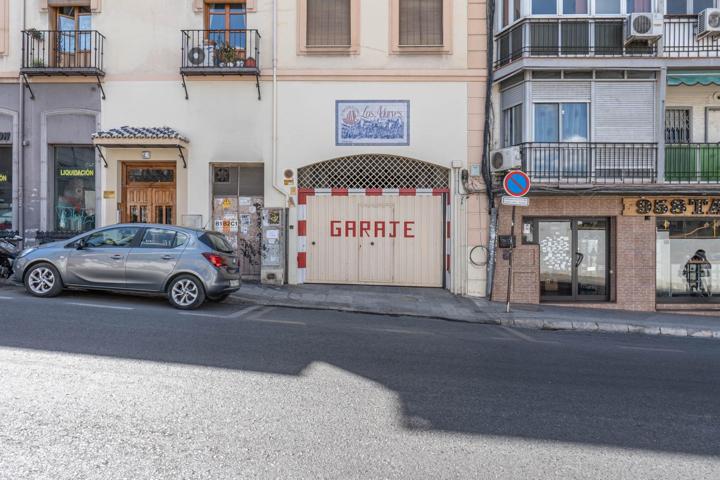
376,240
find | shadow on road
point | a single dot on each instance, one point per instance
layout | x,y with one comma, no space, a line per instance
453,379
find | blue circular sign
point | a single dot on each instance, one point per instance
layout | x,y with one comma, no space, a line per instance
516,183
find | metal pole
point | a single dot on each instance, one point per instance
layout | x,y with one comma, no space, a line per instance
510,259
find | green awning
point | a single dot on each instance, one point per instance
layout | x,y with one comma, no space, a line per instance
693,77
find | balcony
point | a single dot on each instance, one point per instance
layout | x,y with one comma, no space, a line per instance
680,39
69,53
571,37
590,162
220,52
692,163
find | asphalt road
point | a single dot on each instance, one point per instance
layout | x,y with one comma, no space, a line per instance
95,386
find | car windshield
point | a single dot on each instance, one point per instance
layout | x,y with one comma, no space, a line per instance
216,241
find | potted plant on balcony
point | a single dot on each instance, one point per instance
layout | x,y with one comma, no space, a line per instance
36,34
227,55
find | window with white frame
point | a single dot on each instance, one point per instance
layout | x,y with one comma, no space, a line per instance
512,126
561,122
594,7
511,11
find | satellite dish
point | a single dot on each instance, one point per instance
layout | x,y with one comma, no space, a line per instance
196,56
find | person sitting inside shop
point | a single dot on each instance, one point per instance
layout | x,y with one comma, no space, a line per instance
697,274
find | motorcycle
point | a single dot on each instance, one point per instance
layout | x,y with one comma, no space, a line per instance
9,250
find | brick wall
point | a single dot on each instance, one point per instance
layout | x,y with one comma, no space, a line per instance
632,255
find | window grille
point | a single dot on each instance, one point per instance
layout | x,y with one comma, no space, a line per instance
373,171
677,125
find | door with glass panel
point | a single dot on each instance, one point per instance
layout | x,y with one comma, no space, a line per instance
72,39
573,259
149,192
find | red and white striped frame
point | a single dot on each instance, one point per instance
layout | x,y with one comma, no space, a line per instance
303,193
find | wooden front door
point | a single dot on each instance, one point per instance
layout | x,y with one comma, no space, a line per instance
149,191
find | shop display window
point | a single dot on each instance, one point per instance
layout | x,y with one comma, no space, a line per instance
688,260
5,188
74,189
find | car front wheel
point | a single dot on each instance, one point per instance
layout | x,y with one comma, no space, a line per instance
186,293
43,280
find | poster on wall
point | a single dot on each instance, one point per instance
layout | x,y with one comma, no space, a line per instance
372,122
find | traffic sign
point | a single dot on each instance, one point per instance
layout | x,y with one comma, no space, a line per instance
515,201
516,183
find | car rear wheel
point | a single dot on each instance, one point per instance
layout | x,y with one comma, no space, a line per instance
43,280
186,293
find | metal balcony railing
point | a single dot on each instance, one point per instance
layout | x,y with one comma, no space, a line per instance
680,39
566,37
692,163
590,162
220,52
67,52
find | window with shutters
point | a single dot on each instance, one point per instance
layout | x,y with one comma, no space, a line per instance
677,125
421,26
328,26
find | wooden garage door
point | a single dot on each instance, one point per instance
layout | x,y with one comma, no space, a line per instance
377,240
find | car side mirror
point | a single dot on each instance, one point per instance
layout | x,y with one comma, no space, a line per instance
81,244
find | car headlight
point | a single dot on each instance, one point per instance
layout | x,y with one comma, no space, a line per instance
27,252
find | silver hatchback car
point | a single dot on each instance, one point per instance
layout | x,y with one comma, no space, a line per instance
187,265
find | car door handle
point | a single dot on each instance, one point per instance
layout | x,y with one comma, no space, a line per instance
117,257
168,257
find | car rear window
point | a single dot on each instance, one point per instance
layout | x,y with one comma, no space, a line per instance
216,241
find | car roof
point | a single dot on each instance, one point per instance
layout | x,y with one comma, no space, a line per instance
154,225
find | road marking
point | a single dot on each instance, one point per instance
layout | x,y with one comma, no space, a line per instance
244,311
651,349
528,338
94,305
394,330
7,298
283,322
193,314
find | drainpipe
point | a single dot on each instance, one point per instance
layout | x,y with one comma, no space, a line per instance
486,151
21,145
275,183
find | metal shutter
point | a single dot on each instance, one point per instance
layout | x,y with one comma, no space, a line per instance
561,91
512,96
624,112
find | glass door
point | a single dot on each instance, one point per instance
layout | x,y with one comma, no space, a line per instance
573,259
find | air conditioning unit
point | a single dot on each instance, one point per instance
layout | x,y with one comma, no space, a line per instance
505,159
643,27
708,23
202,56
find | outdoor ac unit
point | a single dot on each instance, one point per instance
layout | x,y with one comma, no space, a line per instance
708,23
505,159
645,27
202,56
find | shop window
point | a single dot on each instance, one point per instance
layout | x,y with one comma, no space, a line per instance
512,126
5,188
687,258
74,188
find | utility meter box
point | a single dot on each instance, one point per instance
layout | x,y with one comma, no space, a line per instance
274,244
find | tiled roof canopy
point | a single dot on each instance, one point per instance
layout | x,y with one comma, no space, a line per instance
141,133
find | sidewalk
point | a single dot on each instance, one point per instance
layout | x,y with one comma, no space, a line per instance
441,304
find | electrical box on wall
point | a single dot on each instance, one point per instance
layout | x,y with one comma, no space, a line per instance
274,241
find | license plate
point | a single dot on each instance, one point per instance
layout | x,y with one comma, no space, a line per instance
234,283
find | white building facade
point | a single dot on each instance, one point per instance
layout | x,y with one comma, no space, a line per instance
361,122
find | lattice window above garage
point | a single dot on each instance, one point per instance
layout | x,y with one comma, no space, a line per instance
373,171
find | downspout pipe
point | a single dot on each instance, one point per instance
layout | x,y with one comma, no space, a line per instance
21,143
487,176
275,183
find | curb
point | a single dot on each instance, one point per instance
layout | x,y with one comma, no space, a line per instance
537,324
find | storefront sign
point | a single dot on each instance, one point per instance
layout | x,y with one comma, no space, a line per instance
378,229
5,137
3,177
672,206
76,172
109,194
372,122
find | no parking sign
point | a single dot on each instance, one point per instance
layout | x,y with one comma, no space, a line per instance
516,183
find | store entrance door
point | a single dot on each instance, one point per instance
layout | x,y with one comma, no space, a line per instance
574,260
149,192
